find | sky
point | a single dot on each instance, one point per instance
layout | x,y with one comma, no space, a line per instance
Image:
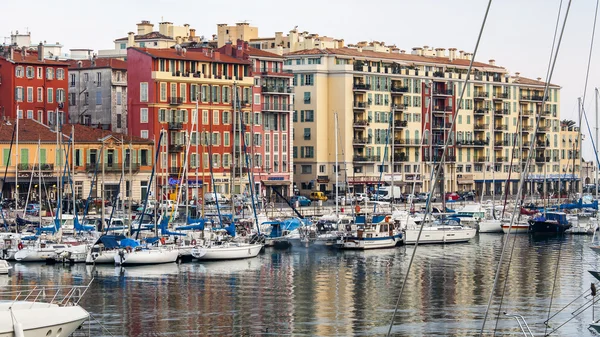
518,33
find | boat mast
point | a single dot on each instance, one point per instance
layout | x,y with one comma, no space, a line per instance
198,141
596,149
73,166
17,168
335,114
393,122
130,183
40,181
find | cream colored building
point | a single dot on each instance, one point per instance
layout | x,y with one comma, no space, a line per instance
379,90
278,44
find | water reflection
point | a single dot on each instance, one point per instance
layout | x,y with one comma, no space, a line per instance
330,293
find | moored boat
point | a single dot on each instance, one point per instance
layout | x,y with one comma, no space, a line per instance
227,251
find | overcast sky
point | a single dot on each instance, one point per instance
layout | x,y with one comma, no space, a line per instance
518,34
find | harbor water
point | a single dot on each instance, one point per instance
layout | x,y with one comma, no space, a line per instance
323,292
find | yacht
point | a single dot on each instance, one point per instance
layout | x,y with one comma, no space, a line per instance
371,236
438,231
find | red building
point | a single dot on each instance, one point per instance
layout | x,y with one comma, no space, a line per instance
271,128
34,86
165,87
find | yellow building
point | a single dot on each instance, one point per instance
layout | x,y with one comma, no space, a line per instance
101,153
378,90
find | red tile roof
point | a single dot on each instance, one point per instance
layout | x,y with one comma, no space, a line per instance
390,56
171,53
149,36
100,63
31,57
529,81
30,131
262,53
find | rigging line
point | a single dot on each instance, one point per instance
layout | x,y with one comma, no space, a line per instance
526,169
440,165
587,73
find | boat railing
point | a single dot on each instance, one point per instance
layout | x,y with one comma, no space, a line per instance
61,295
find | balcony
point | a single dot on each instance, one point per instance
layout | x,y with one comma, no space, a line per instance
441,126
534,97
481,111
400,124
175,126
546,113
501,112
481,127
36,167
500,96
501,159
276,107
442,109
502,127
481,95
443,92
175,147
462,143
437,159
543,129
276,89
112,167
174,170
360,105
176,100
481,159
542,144
398,90
405,142
398,107
527,128
500,143
360,141
361,87
526,113
366,158
400,157
360,123
542,159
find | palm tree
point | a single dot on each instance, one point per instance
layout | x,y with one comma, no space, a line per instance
567,123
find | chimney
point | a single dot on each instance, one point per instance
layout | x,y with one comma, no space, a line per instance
179,40
452,54
402,51
417,51
468,56
94,61
192,32
214,36
492,62
40,50
440,52
461,55
517,74
131,39
539,78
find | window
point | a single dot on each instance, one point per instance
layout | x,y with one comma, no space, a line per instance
215,117
256,98
226,119
86,98
205,117
50,95
119,98
307,98
309,79
216,94
183,92
49,73
29,114
194,93
144,115
19,71
144,134
60,74
20,116
72,81
29,94
309,116
40,73
306,133
29,72
40,94
226,139
204,94
163,92
98,79
306,169
123,46
144,92
98,97
60,95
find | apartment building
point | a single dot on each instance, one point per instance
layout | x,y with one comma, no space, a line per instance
166,87
394,116
98,93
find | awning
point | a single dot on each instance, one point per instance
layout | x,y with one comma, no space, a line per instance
276,182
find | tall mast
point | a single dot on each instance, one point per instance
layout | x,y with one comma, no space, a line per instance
73,166
122,188
336,166
198,141
393,122
233,164
40,181
17,166
130,183
596,162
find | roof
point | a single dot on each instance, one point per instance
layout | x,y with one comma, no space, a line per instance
529,81
30,131
149,36
390,56
99,63
189,55
262,53
32,58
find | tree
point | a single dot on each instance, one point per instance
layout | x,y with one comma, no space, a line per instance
567,123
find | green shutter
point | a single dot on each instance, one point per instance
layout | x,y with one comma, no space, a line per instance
42,156
87,156
116,157
139,156
149,157
5,157
24,156
133,156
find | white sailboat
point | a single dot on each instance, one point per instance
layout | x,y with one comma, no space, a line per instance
227,251
434,232
372,236
146,256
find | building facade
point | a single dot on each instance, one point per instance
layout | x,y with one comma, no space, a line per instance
97,155
270,126
394,115
98,93
166,87
31,86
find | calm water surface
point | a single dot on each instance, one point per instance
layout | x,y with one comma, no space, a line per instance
306,292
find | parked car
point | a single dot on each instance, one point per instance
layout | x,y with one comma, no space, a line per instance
32,209
361,197
422,197
318,196
169,205
209,198
468,195
452,196
302,200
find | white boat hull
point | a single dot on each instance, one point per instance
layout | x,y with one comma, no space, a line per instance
227,252
5,267
516,228
439,235
37,319
365,243
490,226
146,256
35,255
103,257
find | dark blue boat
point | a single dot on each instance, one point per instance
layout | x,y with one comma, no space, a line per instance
551,222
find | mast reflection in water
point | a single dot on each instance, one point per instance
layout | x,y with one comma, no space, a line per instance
334,293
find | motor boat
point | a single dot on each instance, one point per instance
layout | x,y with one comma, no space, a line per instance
5,267
40,252
438,231
142,256
379,233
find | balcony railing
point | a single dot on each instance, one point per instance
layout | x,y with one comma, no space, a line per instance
501,112
360,141
366,158
527,112
176,100
360,105
402,142
500,143
481,111
360,123
481,94
113,167
542,159
397,89
500,95
36,167
542,144
441,126
361,86
400,124
543,129
280,89
441,108
472,142
481,126
501,159
502,127
527,127
439,158
533,97
442,92
276,107
175,126
398,107
481,159
175,147
400,157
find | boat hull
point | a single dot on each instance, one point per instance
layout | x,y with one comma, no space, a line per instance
146,256
439,235
103,257
36,322
547,227
516,228
490,226
35,255
227,252
369,243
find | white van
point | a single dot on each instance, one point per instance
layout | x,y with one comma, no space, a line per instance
385,193
209,198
